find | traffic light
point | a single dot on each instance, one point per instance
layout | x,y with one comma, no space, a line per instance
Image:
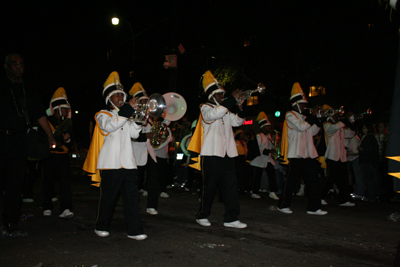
277,113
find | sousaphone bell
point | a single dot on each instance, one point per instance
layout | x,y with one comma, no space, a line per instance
175,109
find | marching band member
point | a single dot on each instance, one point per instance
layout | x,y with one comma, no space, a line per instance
218,150
336,160
264,160
298,147
240,161
58,163
193,175
144,154
116,160
162,157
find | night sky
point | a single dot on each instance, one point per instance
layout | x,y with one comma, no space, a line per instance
349,47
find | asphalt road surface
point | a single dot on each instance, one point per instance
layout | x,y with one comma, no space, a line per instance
348,236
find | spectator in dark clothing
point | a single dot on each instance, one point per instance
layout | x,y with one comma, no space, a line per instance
18,100
369,161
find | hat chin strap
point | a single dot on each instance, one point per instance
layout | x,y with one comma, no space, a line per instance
112,104
298,108
216,102
59,112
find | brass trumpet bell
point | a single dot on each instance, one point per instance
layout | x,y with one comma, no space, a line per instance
247,94
156,105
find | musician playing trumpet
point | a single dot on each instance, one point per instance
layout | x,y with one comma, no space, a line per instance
298,148
116,162
336,160
218,151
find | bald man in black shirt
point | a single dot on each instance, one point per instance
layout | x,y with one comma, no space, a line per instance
17,99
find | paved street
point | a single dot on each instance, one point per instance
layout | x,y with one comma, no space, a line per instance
358,236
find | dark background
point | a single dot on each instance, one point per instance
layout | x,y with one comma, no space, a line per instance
348,47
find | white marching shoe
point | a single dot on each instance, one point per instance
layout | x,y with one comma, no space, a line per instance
317,212
138,237
236,224
203,222
101,233
151,211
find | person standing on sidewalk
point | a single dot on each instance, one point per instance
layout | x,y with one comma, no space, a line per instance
19,99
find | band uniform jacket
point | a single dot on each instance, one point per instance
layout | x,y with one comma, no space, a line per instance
335,138
264,142
142,149
300,136
218,139
116,151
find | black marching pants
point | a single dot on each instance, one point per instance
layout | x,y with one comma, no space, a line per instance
151,181
219,172
308,170
57,167
114,182
257,176
336,173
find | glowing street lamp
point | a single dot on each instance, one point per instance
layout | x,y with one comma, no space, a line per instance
115,21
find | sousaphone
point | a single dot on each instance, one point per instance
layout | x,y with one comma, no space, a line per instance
175,109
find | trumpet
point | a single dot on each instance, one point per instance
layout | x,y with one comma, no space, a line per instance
327,112
359,116
155,107
362,115
247,94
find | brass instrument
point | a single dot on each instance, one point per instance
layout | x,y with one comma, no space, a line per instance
247,94
175,109
161,134
327,112
331,112
360,116
154,107
277,149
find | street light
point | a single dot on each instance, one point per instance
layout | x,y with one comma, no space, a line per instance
115,21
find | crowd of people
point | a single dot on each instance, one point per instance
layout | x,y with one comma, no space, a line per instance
318,152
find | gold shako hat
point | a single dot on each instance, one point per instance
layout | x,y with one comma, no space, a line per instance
297,95
262,119
60,100
211,85
138,91
112,86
